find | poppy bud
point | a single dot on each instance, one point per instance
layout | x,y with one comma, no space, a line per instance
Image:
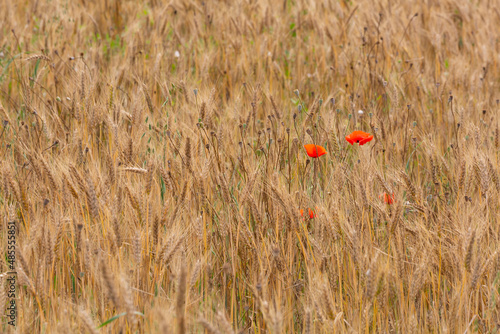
388,199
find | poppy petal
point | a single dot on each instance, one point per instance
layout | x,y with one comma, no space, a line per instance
309,149
314,151
365,140
321,151
348,138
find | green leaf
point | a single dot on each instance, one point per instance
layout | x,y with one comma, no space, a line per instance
7,66
32,83
112,319
116,317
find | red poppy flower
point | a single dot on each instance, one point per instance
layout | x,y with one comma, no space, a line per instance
311,213
359,137
388,199
314,151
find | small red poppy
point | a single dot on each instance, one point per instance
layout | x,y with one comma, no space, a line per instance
311,213
388,199
359,137
314,151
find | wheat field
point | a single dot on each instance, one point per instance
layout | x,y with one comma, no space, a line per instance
153,165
